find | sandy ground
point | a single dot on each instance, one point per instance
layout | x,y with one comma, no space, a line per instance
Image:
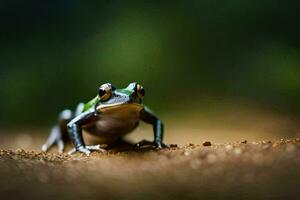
237,155
240,170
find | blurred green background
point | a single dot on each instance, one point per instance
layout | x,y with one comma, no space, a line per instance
54,54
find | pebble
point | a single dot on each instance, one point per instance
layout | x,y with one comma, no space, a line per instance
207,143
266,142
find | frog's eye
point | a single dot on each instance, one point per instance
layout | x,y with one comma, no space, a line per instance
105,91
140,90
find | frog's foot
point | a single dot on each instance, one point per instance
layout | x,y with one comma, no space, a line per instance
60,144
55,138
156,144
87,149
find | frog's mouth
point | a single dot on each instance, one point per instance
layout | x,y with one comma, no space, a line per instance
119,107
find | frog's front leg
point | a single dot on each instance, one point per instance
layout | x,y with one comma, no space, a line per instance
147,116
75,131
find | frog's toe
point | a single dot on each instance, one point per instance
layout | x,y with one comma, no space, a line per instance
81,149
157,145
95,148
60,144
143,143
160,145
87,149
72,151
45,148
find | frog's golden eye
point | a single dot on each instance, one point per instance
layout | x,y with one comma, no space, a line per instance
105,91
140,90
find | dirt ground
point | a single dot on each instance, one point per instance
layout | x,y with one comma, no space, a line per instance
236,154
239,170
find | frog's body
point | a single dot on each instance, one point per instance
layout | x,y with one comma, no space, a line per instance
110,115
115,122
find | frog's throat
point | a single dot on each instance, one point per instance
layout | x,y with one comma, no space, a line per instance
122,105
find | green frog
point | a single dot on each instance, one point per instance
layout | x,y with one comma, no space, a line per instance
110,115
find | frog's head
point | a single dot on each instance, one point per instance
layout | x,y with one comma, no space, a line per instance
110,97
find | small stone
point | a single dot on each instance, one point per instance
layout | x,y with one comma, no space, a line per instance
207,143
266,142
244,142
173,145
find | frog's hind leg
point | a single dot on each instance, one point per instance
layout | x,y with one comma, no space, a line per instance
59,133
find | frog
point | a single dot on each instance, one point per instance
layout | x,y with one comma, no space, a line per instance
110,115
